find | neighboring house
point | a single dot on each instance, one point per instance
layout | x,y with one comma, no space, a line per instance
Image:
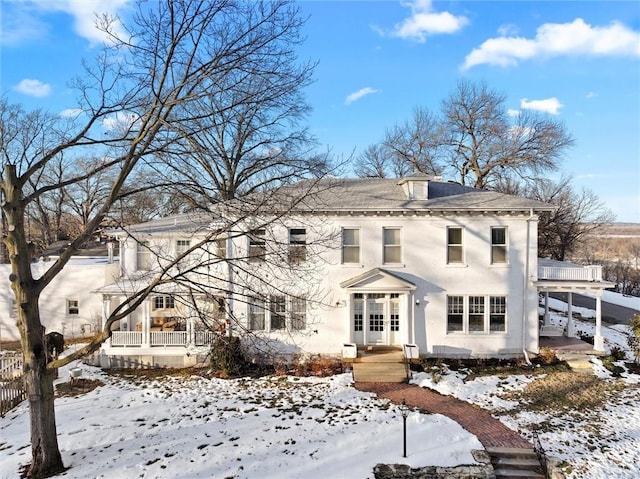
450,269
372,262
68,305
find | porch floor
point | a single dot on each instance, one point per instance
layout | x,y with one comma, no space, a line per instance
566,344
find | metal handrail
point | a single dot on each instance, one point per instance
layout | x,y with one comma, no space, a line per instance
542,455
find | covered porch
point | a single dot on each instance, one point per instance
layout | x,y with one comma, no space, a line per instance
565,277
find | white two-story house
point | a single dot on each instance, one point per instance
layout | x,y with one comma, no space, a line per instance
372,262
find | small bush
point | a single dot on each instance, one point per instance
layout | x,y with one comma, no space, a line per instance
547,355
227,357
618,354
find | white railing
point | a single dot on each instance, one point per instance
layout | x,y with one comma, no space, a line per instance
161,338
169,338
583,273
204,338
11,365
126,338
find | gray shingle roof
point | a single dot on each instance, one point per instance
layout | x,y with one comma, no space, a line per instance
361,194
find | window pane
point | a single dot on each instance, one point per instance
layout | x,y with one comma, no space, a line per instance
498,245
454,245
455,313
256,314
298,314
277,312
257,245
392,248
351,246
221,248
476,313
498,314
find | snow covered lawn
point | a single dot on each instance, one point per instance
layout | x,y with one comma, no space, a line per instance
280,427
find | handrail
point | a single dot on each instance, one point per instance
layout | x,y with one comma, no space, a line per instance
542,455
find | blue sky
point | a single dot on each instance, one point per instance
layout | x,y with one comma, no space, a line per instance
378,60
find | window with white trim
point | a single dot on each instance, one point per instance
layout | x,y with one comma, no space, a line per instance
73,307
164,302
476,314
350,246
297,245
143,253
182,246
279,313
498,245
358,311
455,252
221,248
257,245
392,246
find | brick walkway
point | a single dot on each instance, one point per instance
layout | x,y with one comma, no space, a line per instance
489,431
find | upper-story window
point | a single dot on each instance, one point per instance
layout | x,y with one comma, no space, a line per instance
164,302
221,247
455,252
351,245
498,245
73,307
257,245
182,246
297,245
392,246
143,256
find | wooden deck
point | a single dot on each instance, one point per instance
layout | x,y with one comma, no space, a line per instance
567,345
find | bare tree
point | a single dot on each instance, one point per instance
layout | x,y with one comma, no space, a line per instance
579,214
132,99
473,141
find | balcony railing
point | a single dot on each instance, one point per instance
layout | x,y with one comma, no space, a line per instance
570,273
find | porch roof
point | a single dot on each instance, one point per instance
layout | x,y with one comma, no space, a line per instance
556,275
378,279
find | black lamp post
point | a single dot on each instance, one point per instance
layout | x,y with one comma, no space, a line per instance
404,410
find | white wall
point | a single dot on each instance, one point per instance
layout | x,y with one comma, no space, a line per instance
77,281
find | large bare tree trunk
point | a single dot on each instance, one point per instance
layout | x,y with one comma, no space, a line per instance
46,459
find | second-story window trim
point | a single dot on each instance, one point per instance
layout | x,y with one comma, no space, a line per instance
455,246
499,245
351,246
392,245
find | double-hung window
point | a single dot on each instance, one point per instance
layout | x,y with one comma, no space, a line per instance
498,245
297,245
143,256
257,245
164,302
278,313
350,246
182,246
392,246
476,314
455,252
73,307
221,248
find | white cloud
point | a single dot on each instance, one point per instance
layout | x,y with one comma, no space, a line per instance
70,113
591,94
513,112
32,87
359,94
424,22
83,12
558,39
550,105
121,121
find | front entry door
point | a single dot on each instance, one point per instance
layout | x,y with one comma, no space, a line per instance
377,321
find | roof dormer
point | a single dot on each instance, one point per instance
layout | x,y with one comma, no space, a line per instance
416,186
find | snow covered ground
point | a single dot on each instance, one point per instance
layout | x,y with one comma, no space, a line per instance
285,427
281,427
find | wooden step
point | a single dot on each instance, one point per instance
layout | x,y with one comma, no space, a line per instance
515,473
512,452
379,372
517,462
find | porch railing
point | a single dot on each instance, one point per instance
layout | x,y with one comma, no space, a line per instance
583,273
11,365
126,338
161,338
168,338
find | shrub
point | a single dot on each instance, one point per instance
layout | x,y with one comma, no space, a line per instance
227,357
618,354
547,355
634,337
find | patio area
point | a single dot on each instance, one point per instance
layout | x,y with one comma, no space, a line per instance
564,344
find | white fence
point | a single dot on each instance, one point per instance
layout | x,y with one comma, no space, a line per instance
584,273
10,365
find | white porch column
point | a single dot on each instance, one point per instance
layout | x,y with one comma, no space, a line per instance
146,323
106,312
570,323
350,321
546,308
598,340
